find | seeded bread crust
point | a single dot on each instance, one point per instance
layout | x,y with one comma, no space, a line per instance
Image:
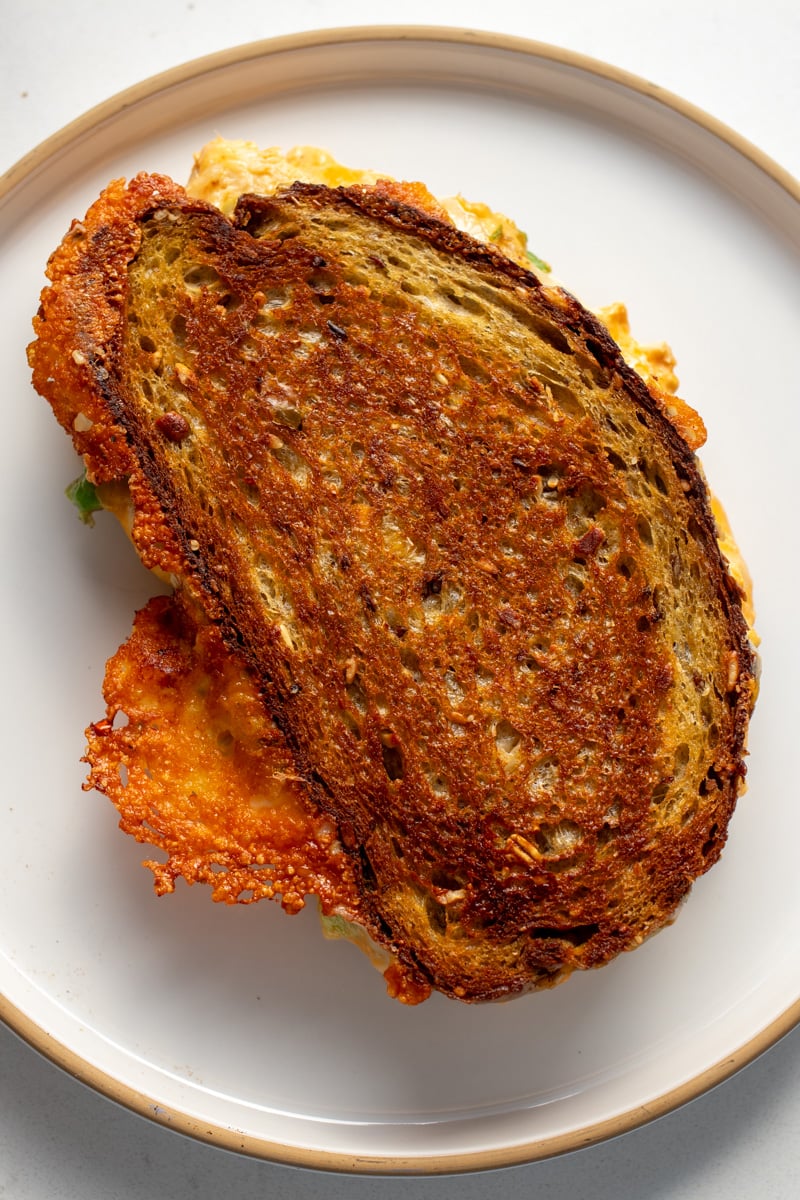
469,563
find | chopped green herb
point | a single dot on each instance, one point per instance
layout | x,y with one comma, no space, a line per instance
538,262
496,234
335,926
83,495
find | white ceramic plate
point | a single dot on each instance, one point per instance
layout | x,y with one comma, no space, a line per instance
242,1026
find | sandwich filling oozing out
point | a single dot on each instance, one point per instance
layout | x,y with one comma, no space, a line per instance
453,646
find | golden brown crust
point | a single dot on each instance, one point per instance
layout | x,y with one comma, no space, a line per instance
191,763
469,560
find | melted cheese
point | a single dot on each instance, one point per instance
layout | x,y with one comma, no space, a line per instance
225,170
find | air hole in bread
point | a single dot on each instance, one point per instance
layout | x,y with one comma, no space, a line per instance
527,663
706,708
367,872
357,695
653,475
293,462
559,839
218,380
550,475
455,692
506,737
567,399
660,791
321,281
230,302
178,327
645,531
711,783
676,568
392,755
589,503
436,781
225,741
275,297
710,843
543,777
286,415
436,914
605,839
473,369
264,324
448,881
399,545
201,275
250,349
575,581
432,608
681,760
410,660
276,597
350,723
432,586
615,460
472,305
473,620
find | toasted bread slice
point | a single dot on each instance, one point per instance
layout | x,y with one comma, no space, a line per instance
467,559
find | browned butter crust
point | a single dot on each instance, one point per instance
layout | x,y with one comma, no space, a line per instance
469,563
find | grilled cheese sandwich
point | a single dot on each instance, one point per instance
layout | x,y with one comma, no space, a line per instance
459,542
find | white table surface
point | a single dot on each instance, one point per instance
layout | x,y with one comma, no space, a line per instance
739,63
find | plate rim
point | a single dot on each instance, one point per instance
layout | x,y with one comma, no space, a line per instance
56,142
253,1145
340,1162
